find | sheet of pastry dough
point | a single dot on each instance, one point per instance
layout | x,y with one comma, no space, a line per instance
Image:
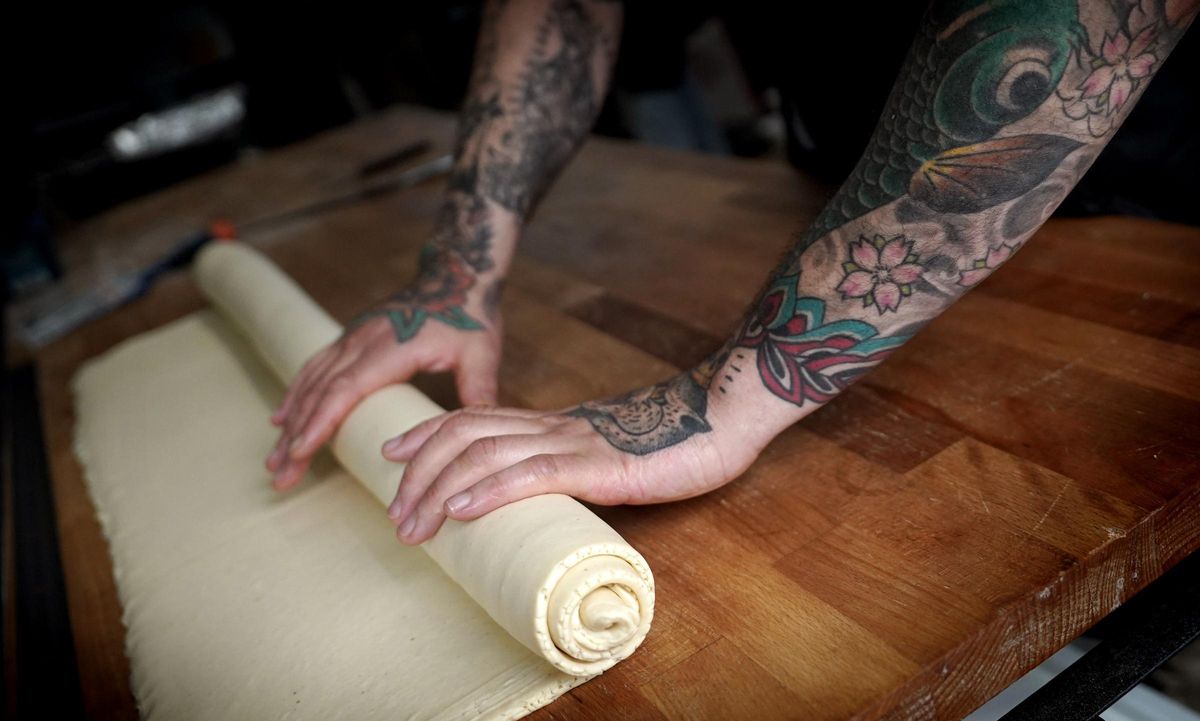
242,603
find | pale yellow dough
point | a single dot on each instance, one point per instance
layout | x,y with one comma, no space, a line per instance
242,603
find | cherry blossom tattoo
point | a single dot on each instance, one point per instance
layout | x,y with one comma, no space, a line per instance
882,272
1117,70
1000,107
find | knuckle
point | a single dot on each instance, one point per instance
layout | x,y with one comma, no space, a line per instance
461,424
544,466
483,450
407,490
341,383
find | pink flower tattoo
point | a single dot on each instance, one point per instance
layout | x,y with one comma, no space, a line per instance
983,267
881,271
1122,62
1116,73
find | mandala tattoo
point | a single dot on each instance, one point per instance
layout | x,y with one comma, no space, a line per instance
650,419
801,356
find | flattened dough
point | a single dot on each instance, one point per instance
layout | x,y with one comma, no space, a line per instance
241,603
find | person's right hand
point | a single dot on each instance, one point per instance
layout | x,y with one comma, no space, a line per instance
433,325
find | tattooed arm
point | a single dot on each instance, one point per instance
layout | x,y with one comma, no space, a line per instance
1000,107
541,72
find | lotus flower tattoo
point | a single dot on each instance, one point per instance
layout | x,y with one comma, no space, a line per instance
801,357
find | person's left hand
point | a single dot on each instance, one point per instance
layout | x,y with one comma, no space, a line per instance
648,446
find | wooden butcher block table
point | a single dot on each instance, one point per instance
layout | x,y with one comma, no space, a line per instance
1023,466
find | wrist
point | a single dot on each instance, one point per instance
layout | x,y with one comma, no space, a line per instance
480,232
743,413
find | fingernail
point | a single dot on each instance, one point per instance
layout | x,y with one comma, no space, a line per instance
458,502
407,527
393,444
394,510
295,446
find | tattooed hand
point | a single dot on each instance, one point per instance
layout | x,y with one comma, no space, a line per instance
430,326
656,444
540,73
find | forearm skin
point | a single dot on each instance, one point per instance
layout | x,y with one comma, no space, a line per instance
999,109
540,76
541,72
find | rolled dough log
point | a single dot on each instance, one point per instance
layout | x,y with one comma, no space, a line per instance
243,603
555,576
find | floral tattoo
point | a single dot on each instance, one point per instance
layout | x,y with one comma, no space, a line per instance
1118,69
803,357
982,137
881,272
439,293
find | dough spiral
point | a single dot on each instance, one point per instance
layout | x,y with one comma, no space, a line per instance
546,569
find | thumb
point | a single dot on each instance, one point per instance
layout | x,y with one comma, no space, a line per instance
476,377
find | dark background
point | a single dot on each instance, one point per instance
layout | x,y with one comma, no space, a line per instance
79,72
800,82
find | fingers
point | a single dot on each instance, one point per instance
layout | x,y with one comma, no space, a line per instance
342,392
452,437
296,393
476,376
331,384
404,446
482,459
294,462
338,393
314,365
533,475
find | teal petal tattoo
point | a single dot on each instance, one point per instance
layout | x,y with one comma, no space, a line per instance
439,293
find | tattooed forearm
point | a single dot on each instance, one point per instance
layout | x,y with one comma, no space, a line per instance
556,101
1000,107
540,74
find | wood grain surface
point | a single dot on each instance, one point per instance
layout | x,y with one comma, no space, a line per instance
1023,466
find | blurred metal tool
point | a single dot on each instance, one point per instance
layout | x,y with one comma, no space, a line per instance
61,311
414,175
195,121
391,160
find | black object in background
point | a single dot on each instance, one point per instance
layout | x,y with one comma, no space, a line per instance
834,64
1151,168
45,668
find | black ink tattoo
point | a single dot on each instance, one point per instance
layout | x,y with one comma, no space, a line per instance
667,413
650,419
554,106
954,164
511,142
